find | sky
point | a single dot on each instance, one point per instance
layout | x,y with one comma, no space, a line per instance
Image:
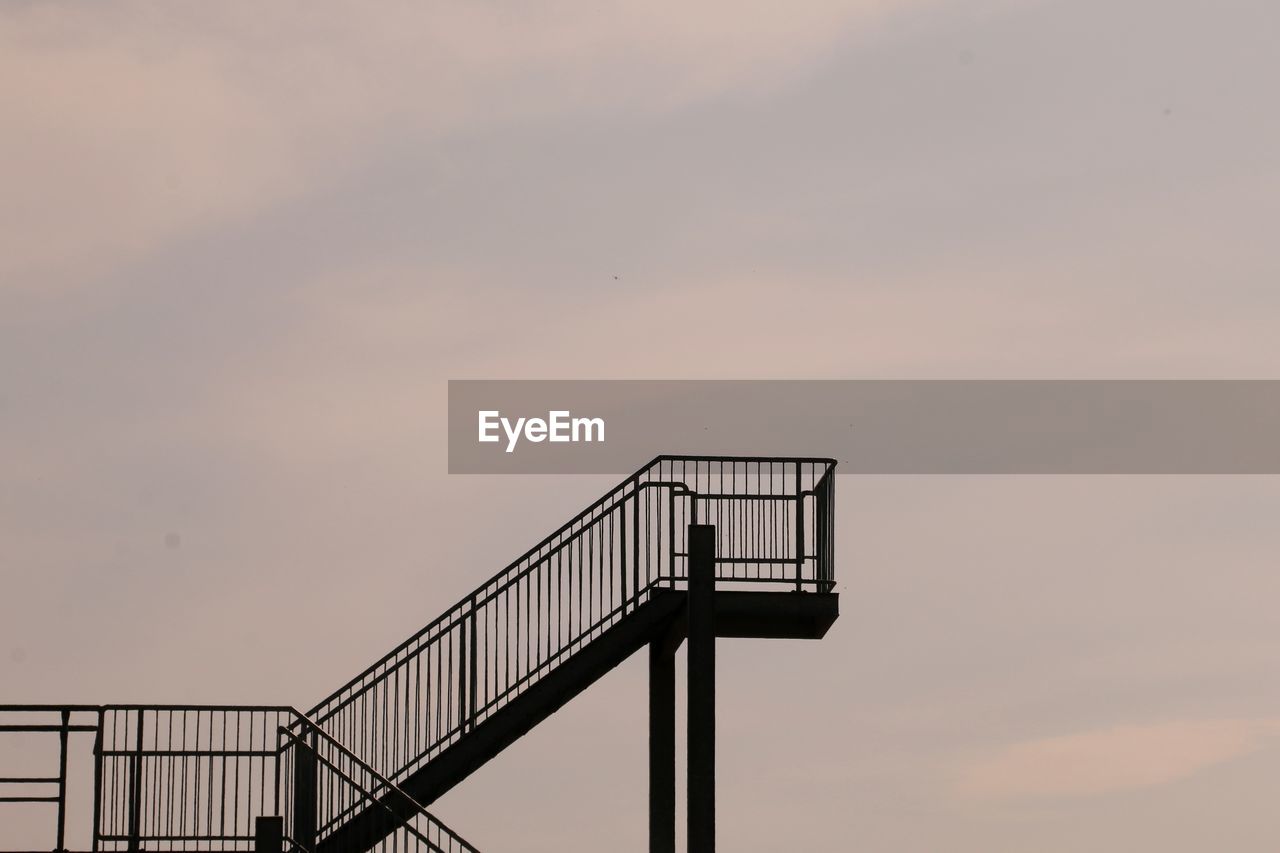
243,247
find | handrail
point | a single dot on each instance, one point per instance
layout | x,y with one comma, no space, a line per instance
456,842
314,728
292,844
359,762
299,743
456,613
441,618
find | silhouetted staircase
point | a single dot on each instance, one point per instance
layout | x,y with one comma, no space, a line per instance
601,587
358,771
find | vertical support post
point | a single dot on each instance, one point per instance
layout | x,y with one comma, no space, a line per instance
822,532
97,780
268,834
662,746
671,538
62,781
135,789
702,689
305,791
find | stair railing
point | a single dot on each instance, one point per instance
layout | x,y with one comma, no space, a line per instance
773,518
181,777
324,779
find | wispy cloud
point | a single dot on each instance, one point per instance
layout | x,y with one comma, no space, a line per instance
1115,759
130,124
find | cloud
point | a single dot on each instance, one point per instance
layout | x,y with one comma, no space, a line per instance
128,124
1111,760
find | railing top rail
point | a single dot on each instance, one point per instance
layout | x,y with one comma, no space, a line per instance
48,709
281,709
691,457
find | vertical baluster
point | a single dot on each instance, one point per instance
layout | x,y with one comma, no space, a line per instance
799,529
622,556
135,797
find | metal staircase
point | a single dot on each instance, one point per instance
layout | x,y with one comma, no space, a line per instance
358,771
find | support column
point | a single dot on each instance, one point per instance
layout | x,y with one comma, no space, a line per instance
662,746
135,785
702,689
63,731
268,834
305,792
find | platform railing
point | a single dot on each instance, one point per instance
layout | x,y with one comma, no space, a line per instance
173,775
38,780
183,777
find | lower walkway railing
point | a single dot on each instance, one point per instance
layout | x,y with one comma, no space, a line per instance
173,778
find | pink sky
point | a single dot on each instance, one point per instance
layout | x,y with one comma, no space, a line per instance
242,248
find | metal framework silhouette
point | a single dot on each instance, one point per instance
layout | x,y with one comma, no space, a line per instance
689,548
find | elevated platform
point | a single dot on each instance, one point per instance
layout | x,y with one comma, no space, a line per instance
776,615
